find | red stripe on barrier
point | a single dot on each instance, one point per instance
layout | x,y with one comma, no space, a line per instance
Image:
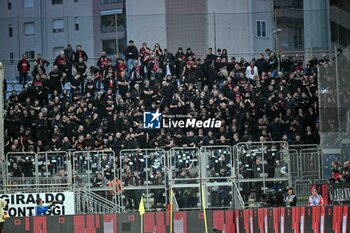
297,219
345,217
167,218
90,224
79,223
160,223
334,222
337,218
97,221
39,225
229,222
218,220
27,223
276,218
325,193
149,223
316,219
261,220
246,221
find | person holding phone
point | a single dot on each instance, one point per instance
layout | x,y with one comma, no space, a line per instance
40,210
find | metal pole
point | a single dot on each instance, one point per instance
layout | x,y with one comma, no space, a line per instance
41,28
319,80
337,83
2,129
19,40
214,34
116,35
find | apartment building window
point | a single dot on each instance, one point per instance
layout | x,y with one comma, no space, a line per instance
110,46
109,18
28,3
9,4
57,25
298,4
10,30
29,29
106,2
76,23
76,1
298,37
30,55
261,28
12,57
56,2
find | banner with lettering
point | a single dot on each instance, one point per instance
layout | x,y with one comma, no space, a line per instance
339,193
23,204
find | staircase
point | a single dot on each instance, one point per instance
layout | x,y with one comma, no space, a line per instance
89,202
238,200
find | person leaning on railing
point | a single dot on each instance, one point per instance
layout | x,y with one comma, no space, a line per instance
315,199
291,198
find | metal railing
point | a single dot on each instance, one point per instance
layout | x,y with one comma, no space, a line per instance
144,171
232,176
306,162
88,202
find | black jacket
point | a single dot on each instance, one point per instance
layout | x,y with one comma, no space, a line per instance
134,53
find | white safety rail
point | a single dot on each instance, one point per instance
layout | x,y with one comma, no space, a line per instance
185,176
217,167
144,172
263,168
233,177
306,162
88,202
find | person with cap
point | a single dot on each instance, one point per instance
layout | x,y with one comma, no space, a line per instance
40,210
315,199
3,214
131,55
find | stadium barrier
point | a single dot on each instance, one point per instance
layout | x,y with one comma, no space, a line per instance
144,171
183,171
260,177
306,162
331,219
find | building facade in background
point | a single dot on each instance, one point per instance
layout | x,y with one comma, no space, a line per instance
47,26
312,24
244,28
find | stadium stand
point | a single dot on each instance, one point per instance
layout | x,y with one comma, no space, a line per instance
72,107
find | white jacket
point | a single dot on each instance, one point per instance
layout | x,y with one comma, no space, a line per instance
251,73
2,206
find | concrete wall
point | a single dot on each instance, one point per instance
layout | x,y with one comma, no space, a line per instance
316,28
187,25
235,25
146,22
44,40
69,10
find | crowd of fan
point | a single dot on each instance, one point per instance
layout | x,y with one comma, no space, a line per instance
104,104
340,174
75,107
